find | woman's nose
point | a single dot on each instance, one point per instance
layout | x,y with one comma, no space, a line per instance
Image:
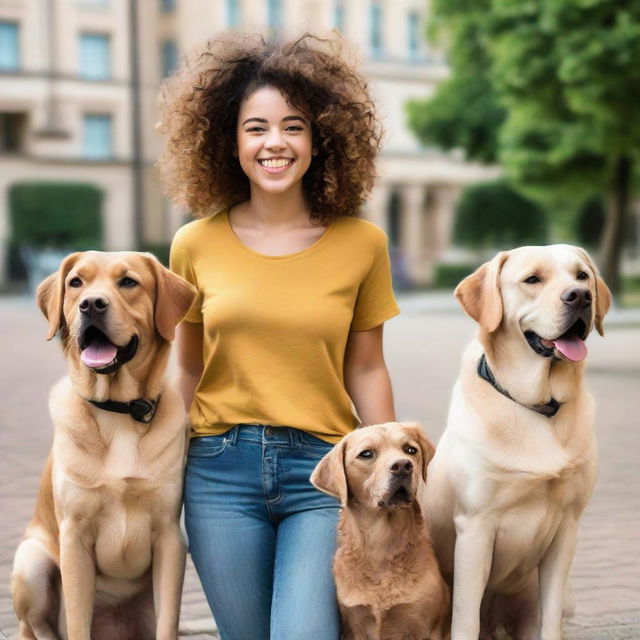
274,140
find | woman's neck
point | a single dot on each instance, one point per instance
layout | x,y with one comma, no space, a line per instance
273,211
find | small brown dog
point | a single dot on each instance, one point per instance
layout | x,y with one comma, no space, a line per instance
387,577
103,556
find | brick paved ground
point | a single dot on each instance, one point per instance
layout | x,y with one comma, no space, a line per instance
423,350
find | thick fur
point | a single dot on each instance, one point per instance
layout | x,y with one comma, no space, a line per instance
507,486
103,556
387,577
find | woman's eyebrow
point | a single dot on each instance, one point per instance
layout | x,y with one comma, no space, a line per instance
288,118
254,120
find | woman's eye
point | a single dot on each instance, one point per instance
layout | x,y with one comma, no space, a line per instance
294,128
75,282
411,450
582,275
255,130
127,282
532,280
366,454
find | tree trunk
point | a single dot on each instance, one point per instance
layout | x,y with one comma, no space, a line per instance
617,214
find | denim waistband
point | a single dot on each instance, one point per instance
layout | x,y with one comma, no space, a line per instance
272,435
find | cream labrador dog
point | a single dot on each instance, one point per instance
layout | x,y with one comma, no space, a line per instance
388,582
103,556
516,465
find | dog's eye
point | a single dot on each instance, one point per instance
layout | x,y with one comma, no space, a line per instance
367,454
128,282
75,282
582,275
411,450
532,280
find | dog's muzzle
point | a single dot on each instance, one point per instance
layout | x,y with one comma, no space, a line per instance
100,354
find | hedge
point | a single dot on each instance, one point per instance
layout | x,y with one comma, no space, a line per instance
61,215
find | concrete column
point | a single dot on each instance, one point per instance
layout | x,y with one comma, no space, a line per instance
413,220
445,199
375,208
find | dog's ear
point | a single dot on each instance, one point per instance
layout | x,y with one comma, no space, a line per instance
329,475
426,446
603,293
174,296
479,293
50,294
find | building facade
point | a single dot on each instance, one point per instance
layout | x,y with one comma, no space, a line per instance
79,82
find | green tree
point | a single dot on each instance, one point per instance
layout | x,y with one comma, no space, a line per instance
567,72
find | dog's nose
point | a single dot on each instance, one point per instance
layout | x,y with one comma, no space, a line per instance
576,297
402,467
92,305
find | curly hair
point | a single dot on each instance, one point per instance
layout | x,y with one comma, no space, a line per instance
199,108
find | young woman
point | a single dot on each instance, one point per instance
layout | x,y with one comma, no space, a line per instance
272,148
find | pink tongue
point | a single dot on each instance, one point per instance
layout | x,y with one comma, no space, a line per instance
99,353
573,348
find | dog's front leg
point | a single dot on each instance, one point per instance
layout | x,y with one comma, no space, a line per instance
78,573
553,575
169,556
472,564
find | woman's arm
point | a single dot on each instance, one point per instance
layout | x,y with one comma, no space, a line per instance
190,365
366,377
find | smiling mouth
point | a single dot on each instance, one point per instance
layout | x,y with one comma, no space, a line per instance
276,165
100,354
570,344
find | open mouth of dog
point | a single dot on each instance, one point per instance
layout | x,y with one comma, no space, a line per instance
100,354
571,344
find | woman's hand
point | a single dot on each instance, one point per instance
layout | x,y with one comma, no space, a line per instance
366,377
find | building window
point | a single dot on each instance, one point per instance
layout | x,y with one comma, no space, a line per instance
168,6
274,13
95,59
9,46
375,34
413,28
233,13
12,128
96,139
338,15
169,57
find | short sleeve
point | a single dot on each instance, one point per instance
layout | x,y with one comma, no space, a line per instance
376,302
180,263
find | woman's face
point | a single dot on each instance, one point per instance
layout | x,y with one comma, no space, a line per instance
273,142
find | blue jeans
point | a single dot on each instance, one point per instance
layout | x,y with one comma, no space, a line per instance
262,538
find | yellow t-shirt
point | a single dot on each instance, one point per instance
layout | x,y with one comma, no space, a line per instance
275,327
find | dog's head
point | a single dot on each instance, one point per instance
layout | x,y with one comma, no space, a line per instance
112,308
376,467
550,297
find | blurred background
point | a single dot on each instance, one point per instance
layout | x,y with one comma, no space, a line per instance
507,123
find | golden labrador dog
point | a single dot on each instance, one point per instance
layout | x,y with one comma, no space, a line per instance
516,464
103,556
387,577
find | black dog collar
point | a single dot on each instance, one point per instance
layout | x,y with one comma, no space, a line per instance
141,410
548,410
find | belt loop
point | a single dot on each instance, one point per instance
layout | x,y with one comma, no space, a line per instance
296,438
232,436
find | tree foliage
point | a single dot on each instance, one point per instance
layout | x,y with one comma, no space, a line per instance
567,74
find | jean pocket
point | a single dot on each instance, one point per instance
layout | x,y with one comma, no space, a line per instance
207,446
